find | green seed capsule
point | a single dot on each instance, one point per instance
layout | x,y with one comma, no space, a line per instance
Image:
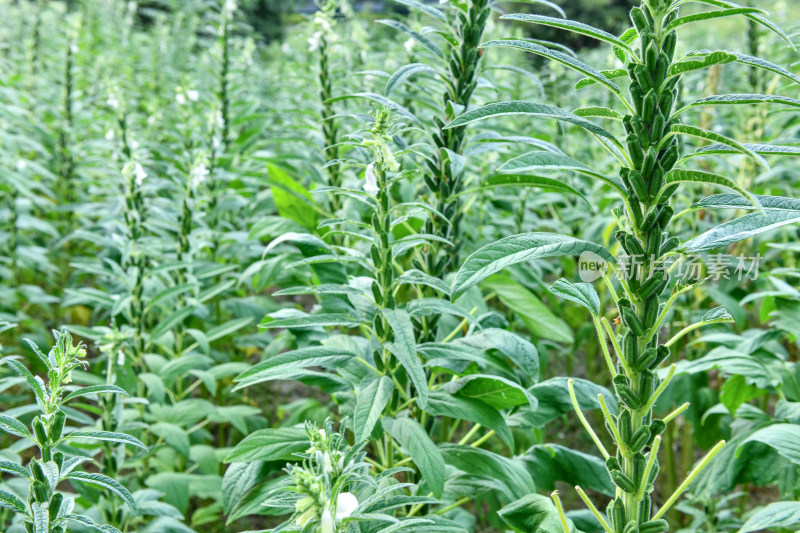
630,347
55,505
651,306
645,359
623,302
653,245
649,106
618,513
670,244
38,431
665,103
665,217
650,55
612,463
650,218
639,186
644,78
623,482
639,439
644,508
640,20
648,383
631,527
635,151
637,95
639,465
657,130
657,180
40,492
628,397
661,70
669,191
57,425
663,354
649,287
670,43
624,425
656,526
632,322
633,246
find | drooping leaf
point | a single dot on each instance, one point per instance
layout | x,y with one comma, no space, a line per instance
371,400
740,99
534,512
700,133
740,229
279,366
95,389
773,516
540,160
581,293
107,436
441,403
678,175
517,249
107,483
573,26
419,446
783,438
734,201
708,15
700,61
273,444
9,501
404,348
311,321
14,427
404,73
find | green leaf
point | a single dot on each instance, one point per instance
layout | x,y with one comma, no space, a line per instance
581,293
599,112
25,374
609,74
228,328
14,469
734,201
708,15
560,57
511,477
441,403
170,322
107,483
424,8
534,512
273,444
95,389
696,176
107,436
783,438
716,137
283,365
573,26
550,463
540,160
528,108
404,348
14,427
706,60
526,180
740,229
519,350
310,321
740,99
419,446
173,435
404,73
773,516
421,39
291,199
536,316
553,399
371,400
9,501
499,392
417,277
755,18
518,249
378,99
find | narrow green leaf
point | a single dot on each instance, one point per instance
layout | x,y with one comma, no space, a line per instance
740,99
108,483
424,8
108,436
95,389
540,160
310,321
609,74
518,249
740,229
404,348
25,374
527,180
705,60
573,26
581,293
734,201
405,72
9,501
696,176
700,133
14,469
708,15
419,446
273,444
598,112
14,427
228,328
282,365
371,400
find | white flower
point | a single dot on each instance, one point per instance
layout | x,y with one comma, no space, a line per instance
193,95
112,102
371,185
21,165
326,523
121,357
323,434
346,504
409,45
110,134
314,41
180,98
74,48
199,174
139,174
134,145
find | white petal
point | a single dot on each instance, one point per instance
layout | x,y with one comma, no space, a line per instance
346,504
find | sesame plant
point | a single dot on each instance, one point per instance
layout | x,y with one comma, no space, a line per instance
652,166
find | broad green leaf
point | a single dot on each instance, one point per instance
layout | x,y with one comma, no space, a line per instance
706,135
107,436
371,400
734,201
311,321
417,277
239,478
708,15
740,229
281,365
773,516
404,73
499,392
107,483
526,180
424,8
702,61
581,293
528,108
560,57
540,160
783,438
740,99
441,403
573,26
273,444
14,427
696,176
41,518
512,478
419,446
174,435
536,316
553,400
95,389
519,350
534,512
404,348
518,249
550,463
9,501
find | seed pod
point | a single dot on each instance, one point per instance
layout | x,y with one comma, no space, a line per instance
633,246
656,526
624,425
663,354
623,482
653,475
650,218
40,493
633,322
645,359
639,439
657,130
656,180
616,514
650,54
637,95
39,432
650,312
55,505
653,245
631,527
648,383
670,157
635,150
644,78
665,103
376,292
669,191
665,216
640,20
58,458
628,397
57,425
644,508
662,67
630,347
657,427
612,463
638,185
649,106
670,244
649,287
670,43
623,302
639,465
